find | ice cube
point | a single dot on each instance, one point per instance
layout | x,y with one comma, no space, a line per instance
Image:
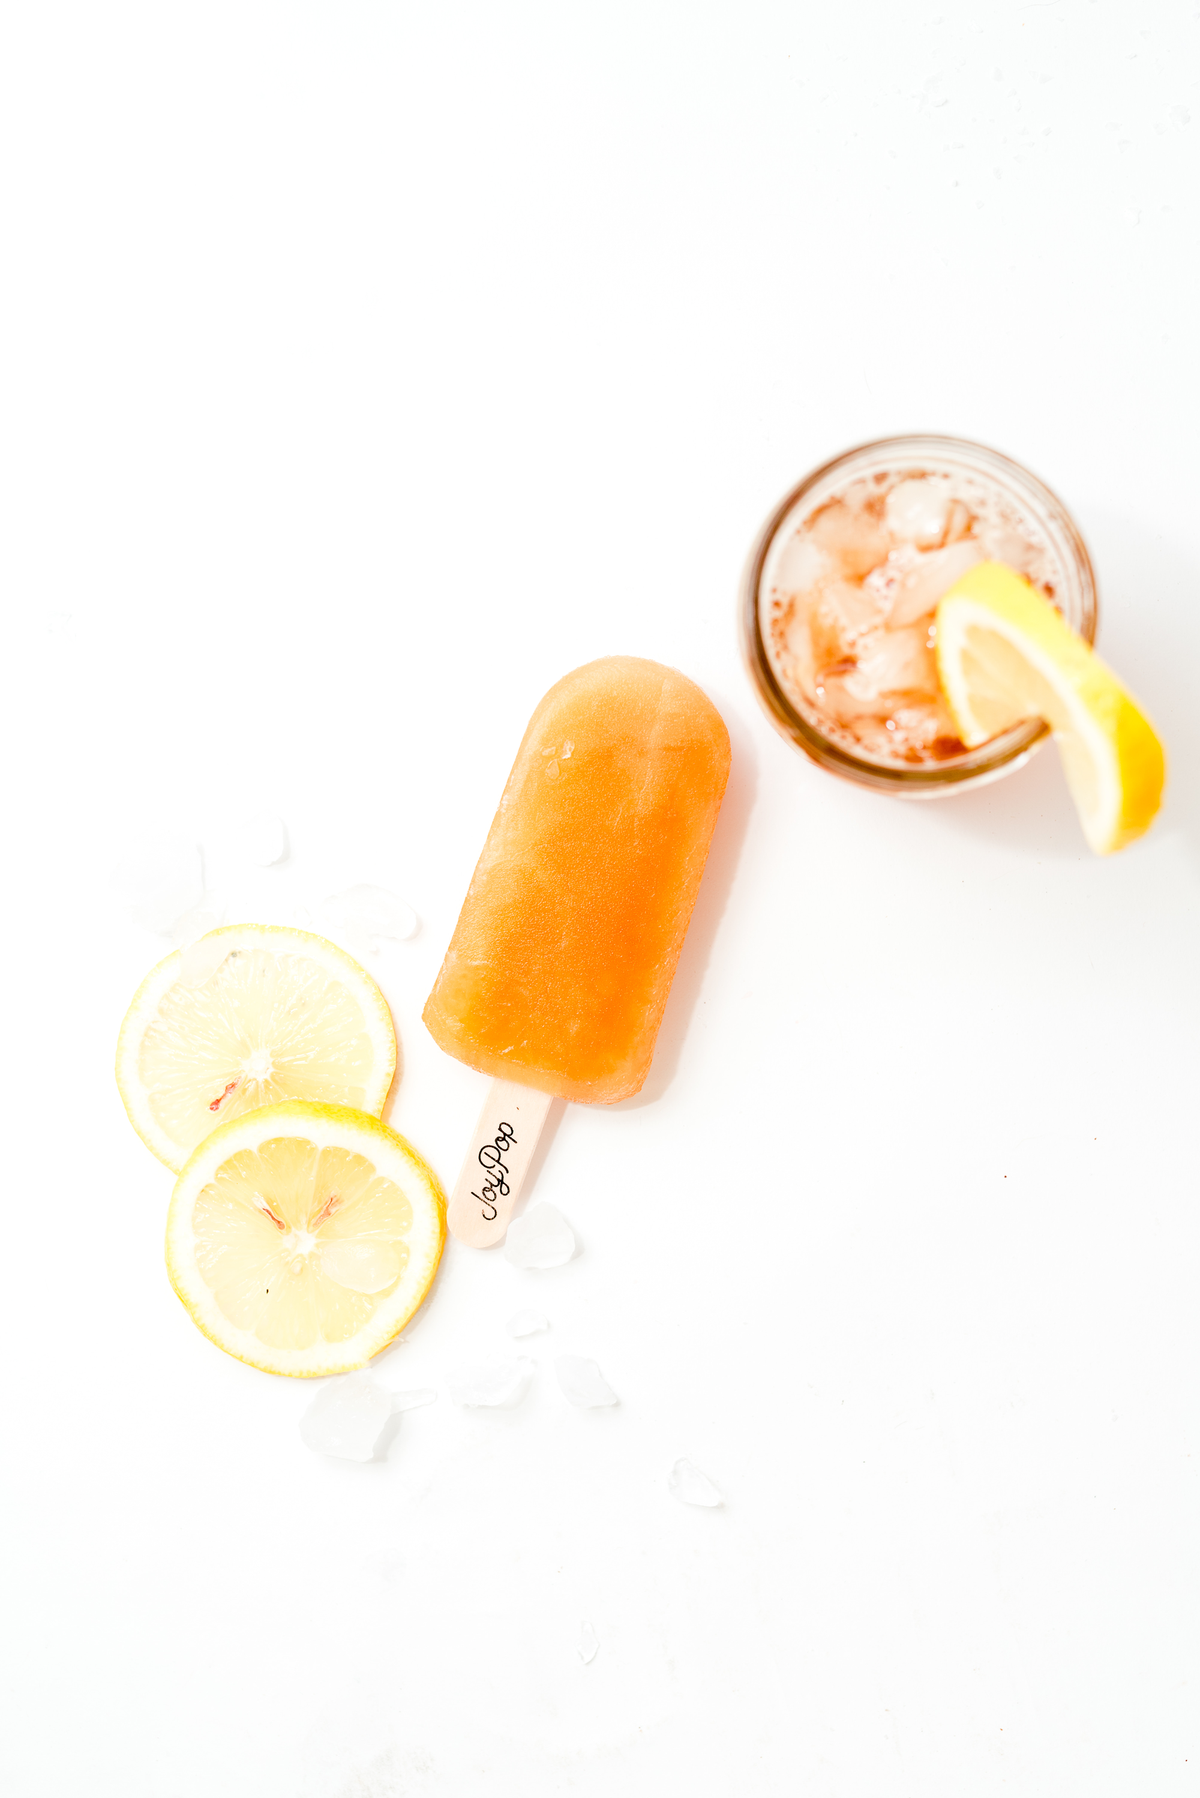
161,879
850,536
887,581
347,1417
526,1323
921,725
958,521
917,511
691,1487
492,1380
802,563
791,633
877,736
933,575
542,1238
193,924
363,916
589,1643
361,1264
837,695
891,661
412,1401
261,841
200,960
841,613
583,1383
1008,546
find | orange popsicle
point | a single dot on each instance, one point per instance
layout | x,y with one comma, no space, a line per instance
559,969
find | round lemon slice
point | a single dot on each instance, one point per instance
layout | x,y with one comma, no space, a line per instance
248,1016
1004,653
302,1238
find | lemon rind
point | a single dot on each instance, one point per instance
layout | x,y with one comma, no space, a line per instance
1124,749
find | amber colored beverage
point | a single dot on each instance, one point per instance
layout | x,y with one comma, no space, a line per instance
562,959
854,592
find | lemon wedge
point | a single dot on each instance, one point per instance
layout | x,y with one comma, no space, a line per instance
301,1238
248,1016
1004,653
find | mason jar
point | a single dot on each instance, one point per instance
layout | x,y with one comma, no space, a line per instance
1047,521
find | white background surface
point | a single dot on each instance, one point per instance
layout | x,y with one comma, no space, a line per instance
365,367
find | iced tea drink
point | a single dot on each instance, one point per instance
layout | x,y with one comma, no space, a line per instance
846,584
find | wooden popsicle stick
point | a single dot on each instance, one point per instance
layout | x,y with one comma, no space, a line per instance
497,1163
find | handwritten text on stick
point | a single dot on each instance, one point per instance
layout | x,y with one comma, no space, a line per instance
491,1159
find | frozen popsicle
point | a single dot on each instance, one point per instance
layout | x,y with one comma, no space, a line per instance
558,972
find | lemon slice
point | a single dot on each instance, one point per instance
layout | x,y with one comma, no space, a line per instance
1004,653
302,1238
248,1016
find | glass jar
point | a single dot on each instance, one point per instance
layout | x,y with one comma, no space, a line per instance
1075,595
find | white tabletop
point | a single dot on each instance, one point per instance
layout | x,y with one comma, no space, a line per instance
366,367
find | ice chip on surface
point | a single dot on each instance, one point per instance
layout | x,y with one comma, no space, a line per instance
193,924
360,1264
354,941
161,879
526,1323
200,960
917,511
261,841
346,1417
933,575
583,1383
542,1238
691,1487
363,916
490,1380
589,1644
412,1401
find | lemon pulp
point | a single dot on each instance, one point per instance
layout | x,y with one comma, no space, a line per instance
295,1243
274,1014
302,1237
1004,654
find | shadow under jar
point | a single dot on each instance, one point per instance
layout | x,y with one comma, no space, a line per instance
839,599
